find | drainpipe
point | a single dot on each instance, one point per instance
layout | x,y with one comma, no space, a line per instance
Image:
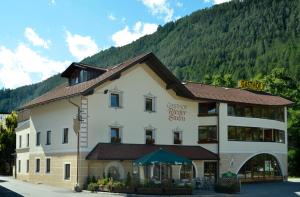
77,163
218,148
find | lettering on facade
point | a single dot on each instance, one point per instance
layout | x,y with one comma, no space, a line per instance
252,85
177,112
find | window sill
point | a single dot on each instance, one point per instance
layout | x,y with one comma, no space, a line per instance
150,111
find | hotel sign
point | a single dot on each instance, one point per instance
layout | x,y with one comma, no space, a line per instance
177,112
251,85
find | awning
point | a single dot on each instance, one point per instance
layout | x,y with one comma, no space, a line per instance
161,156
111,151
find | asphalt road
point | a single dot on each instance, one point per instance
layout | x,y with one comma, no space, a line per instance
10,187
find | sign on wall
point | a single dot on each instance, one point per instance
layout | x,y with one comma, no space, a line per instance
251,85
177,112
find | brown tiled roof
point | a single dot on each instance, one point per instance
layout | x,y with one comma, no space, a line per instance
108,151
235,95
65,91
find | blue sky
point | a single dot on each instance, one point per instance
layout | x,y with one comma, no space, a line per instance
41,38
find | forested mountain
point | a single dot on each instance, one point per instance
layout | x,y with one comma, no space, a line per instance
246,39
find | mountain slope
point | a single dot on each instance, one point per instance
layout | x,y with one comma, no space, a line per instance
242,38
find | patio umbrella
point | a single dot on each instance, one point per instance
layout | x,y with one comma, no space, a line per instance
161,156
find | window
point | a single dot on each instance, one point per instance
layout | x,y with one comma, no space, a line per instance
207,134
205,109
48,165
19,166
115,100
187,172
65,136
150,136
38,138
37,165
255,134
27,139
150,104
115,135
67,173
20,141
272,113
27,166
210,169
177,137
48,140
113,172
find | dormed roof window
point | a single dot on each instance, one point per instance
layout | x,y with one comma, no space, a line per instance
78,73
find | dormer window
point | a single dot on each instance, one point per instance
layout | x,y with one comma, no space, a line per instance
78,73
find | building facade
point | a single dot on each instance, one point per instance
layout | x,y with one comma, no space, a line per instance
138,106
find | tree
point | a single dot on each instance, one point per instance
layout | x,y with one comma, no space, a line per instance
8,143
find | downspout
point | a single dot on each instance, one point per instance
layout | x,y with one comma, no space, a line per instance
218,147
77,163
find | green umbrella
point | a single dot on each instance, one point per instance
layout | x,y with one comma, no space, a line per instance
229,175
161,156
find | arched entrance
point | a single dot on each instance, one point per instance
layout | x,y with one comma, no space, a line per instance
187,172
262,167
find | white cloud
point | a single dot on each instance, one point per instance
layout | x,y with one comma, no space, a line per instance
216,1
123,19
112,17
35,39
18,67
179,4
53,2
160,8
81,46
126,36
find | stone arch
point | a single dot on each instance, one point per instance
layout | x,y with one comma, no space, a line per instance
273,157
118,166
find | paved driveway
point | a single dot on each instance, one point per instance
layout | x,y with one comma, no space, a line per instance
10,187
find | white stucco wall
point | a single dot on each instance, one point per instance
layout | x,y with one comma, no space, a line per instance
134,85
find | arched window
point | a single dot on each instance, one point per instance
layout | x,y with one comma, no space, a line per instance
186,172
113,172
260,167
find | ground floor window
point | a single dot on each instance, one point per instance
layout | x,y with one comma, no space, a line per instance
210,169
27,165
162,172
48,164
113,172
260,167
19,166
187,172
67,173
37,165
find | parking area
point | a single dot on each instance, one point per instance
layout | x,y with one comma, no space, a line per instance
10,187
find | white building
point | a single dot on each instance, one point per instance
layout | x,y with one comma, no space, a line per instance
139,106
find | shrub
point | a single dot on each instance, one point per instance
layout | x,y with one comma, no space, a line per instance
93,180
93,187
103,182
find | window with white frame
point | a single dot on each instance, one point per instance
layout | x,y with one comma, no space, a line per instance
65,136
67,171
27,166
48,138
115,135
27,139
150,103
177,137
38,138
19,166
115,99
20,141
150,136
